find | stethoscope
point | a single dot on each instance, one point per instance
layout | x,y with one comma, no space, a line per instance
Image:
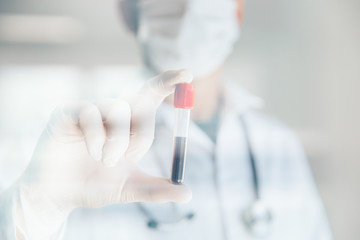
257,218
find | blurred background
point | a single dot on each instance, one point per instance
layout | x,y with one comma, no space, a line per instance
301,57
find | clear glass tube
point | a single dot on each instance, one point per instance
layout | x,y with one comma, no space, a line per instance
181,129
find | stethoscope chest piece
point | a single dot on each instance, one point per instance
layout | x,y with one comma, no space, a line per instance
258,219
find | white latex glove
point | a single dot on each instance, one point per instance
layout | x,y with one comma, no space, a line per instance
87,156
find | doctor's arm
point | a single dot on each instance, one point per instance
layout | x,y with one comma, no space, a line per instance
87,157
313,212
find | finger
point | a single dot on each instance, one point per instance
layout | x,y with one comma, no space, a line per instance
144,110
159,87
141,130
145,188
116,116
91,124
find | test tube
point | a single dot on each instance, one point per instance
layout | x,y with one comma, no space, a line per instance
183,103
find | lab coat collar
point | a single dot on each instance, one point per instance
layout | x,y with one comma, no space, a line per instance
237,101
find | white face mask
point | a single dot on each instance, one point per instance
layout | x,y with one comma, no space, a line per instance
194,34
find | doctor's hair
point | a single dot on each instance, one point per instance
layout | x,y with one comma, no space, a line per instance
129,14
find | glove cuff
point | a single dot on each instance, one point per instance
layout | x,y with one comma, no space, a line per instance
36,216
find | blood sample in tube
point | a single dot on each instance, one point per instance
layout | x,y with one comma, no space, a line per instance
183,103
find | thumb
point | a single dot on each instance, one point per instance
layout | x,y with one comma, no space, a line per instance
145,188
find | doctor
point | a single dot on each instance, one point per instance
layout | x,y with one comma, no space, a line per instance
247,172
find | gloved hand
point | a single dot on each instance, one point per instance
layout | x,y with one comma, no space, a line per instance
87,156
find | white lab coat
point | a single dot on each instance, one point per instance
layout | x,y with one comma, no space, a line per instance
221,181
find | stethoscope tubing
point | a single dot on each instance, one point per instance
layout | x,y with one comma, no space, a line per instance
251,157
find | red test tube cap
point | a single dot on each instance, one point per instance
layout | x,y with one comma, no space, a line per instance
184,96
